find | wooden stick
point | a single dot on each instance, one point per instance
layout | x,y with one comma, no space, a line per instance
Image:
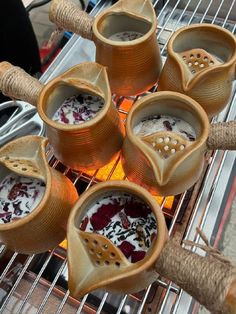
67,15
16,83
210,280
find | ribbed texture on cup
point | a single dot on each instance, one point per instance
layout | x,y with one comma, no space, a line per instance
48,228
131,69
90,147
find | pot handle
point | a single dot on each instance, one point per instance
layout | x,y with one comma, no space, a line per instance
67,15
16,83
222,135
210,280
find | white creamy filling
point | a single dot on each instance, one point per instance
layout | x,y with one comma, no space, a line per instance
125,36
157,123
78,109
19,196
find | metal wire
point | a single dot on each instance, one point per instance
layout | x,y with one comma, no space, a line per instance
63,302
10,293
35,283
228,14
42,305
82,304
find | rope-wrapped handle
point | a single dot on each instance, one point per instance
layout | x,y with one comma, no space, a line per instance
16,83
210,280
222,136
67,15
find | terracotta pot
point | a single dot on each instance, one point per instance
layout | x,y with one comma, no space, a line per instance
165,162
201,64
133,66
95,262
89,145
45,226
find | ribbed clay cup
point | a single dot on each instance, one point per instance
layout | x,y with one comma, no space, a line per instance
164,162
96,262
133,66
89,145
175,173
45,226
201,64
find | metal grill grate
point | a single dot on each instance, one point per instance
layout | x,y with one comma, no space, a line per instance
38,283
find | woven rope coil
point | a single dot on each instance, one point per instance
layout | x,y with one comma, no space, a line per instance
222,136
207,279
68,15
16,83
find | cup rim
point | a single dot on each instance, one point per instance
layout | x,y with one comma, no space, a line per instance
131,43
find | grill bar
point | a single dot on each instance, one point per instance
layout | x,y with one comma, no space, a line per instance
102,303
23,271
63,302
122,303
82,304
217,12
42,305
8,266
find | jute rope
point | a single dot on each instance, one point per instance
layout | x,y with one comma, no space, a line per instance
207,279
16,83
222,136
69,16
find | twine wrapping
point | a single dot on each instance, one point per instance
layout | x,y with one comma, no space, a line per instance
16,83
222,136
206,279
69,16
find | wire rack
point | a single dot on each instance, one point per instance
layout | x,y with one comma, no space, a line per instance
38,283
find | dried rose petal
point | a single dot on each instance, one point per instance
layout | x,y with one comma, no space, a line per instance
102,217
135,210
84,223
124,220
14,192
99,222
137,256
64,118
126,248
167,125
